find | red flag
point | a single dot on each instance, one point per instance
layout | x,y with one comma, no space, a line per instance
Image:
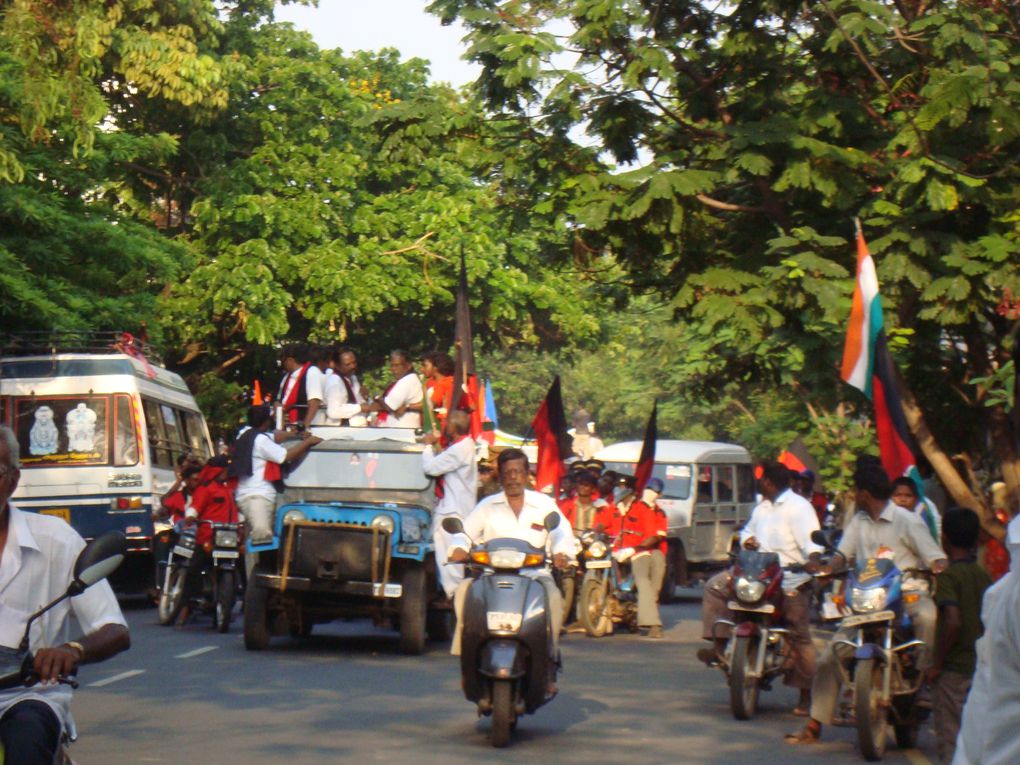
465,382
646,462
550,429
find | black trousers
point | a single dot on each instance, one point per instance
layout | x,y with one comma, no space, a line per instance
30,733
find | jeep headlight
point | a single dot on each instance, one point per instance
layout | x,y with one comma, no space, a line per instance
384,523
749,590
411,529
865,601
597,549
226,538
294,516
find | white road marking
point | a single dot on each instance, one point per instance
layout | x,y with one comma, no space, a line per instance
196,652
117,678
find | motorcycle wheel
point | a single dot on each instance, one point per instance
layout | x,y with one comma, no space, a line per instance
171,600
502,712
872,718
256,618
413,608
226,591
594,614
743,684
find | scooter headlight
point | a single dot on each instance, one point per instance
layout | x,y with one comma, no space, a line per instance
865,601
749,590
384,523
597,549
507,558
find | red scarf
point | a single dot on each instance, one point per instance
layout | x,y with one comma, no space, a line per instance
384,415
292,397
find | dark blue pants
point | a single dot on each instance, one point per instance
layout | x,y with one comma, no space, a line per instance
30,733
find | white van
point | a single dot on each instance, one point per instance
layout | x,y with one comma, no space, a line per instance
99,430
709,494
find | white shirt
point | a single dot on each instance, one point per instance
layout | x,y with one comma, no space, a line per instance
36,568
456,463
989,735
265,449
314,381
405,391
900,530
335,404
494,518
784,527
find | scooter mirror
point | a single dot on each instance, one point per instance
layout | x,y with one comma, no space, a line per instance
452,525
99,559
552,521
825,538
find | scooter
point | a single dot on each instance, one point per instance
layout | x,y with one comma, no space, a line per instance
608,593
95,562
759,645
881,659
219,575
507,659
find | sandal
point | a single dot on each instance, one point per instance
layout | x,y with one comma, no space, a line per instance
806,735
799,711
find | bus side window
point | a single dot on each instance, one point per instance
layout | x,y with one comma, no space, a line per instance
125,441
705,484
158,446
195,434
745,483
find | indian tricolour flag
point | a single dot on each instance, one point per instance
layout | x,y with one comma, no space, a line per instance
865,323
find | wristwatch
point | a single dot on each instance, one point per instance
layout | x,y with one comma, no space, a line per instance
78,647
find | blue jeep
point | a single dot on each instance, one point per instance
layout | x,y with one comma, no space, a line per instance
352,538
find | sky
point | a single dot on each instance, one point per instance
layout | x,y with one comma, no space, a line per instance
373,24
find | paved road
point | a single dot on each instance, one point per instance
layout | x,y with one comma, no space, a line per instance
345,694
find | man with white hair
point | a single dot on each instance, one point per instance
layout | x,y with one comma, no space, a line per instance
37,555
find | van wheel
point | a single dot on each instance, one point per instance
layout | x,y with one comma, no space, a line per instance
413,608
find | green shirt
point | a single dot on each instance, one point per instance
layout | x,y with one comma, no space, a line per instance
963,585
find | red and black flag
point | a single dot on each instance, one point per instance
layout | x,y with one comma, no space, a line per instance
646,462
554,442
465,381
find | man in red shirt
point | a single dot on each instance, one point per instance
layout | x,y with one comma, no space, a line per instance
642,542
581,509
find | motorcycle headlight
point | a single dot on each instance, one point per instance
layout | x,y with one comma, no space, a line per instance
226,538
384,523
749,590
865,601
507,558
293,516
597,549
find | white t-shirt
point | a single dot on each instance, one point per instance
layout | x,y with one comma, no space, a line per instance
335,405
459,469
784,527
407,390
264,450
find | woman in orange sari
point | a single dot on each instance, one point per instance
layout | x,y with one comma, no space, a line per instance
437,367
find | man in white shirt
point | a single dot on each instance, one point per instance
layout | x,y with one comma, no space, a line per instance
519,513
782,523
37,555
342,402
400,406
459,470
300,392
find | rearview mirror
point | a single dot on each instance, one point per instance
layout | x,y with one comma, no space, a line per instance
452,525
825,537
552,521
99,559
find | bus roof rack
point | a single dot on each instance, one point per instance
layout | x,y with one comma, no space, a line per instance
50,342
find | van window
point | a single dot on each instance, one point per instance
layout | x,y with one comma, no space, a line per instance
62,430
745,483
125,440
705,484
724,490
676,478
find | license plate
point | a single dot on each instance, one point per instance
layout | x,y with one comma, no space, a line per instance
878,616
597,564
225,554
502,621
765,608
184,552
59,512
390,591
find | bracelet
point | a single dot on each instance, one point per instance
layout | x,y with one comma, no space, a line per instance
78,647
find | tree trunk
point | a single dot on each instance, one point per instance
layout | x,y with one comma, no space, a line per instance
943,466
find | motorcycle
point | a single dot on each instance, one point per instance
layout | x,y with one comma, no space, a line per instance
571,579
608,594
220,574
97,560
881,659
507,659
759,646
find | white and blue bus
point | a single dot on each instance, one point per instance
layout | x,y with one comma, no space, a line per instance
100,424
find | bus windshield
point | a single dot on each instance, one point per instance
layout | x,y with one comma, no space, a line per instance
61,431
676,478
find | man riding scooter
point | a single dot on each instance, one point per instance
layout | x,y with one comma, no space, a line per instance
781,524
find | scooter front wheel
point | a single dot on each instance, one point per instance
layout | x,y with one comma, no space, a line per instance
872,716
502,712
743,683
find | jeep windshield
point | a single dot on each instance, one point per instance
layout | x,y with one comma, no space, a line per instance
357,469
